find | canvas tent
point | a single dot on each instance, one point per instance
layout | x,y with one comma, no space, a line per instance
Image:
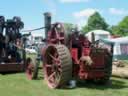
99,34
120,51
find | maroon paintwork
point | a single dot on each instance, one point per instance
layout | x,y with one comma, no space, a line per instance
11,67
83,48
96,70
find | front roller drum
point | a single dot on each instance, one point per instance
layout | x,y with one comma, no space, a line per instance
57,65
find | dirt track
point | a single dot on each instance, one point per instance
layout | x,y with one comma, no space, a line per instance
118,71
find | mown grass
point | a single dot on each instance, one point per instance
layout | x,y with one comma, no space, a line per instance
19,85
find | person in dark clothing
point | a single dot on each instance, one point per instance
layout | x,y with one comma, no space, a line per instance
75,39
2,46
76,42
2,24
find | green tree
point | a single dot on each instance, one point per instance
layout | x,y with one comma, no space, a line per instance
122,28
68,27
113,30
95,22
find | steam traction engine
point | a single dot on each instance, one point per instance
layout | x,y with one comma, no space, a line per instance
12,55
72,56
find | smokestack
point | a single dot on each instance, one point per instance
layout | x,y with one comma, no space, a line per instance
47,23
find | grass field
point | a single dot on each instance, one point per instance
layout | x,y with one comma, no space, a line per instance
19,85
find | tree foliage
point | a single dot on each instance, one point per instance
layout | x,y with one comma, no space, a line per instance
68,27
122,28
95,22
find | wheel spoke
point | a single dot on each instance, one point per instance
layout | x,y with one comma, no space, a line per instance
31,68
49,65
57,77
59,64
53,74
55,59
59,69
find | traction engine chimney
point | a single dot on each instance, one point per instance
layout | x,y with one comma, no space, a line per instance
47,23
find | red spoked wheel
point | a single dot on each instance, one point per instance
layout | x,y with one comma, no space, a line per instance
29,71
32,69
57,65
